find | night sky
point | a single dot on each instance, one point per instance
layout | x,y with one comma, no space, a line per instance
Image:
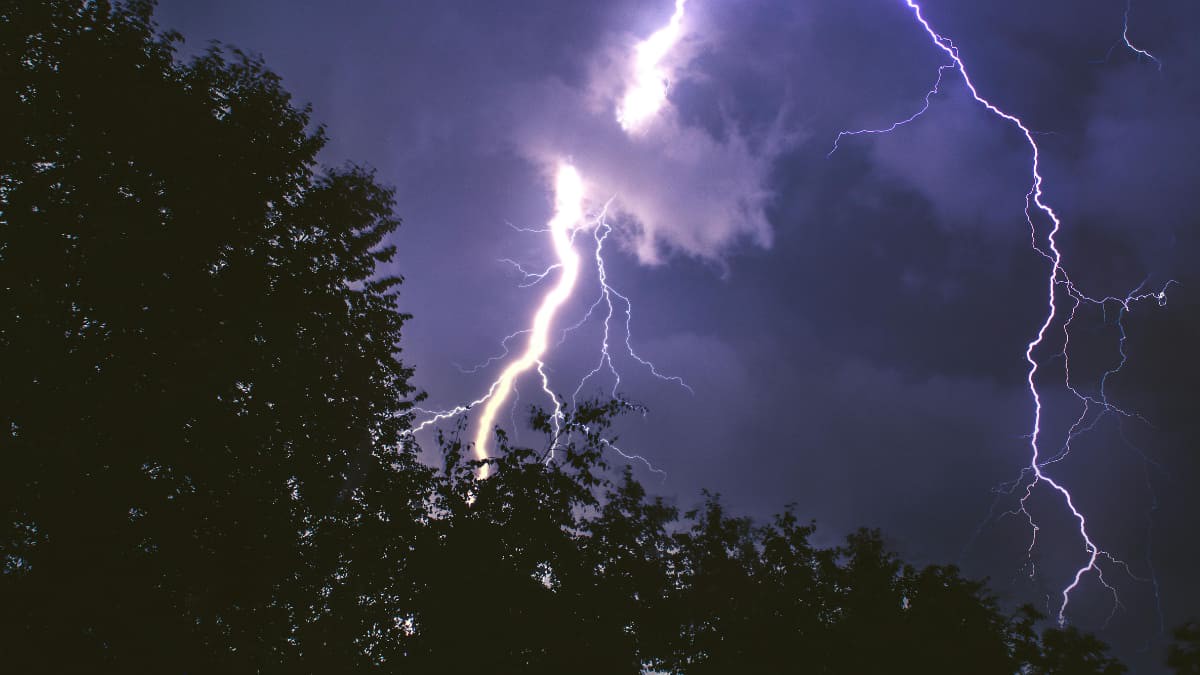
853,326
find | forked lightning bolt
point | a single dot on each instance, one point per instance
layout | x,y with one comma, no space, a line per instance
567,223
607,293
1057,280
644,98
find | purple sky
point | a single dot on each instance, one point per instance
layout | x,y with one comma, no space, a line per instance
853,326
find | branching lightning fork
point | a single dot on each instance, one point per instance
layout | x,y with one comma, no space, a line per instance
567,223
1057,280
644,99
1128,44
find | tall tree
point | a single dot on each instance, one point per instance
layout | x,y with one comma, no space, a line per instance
560,566
202,399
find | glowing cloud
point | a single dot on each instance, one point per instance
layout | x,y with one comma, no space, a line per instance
647,94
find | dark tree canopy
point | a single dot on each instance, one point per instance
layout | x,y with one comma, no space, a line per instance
201,396
1184,654
205,466
566,566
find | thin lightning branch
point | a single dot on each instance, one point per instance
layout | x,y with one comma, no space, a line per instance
599,299
629,347
1057,278
1132,47
532,230
630,456
531,278
436,416
607,292
512,412
491,359
1128,44
1081,425
556,418
600,234
608,443
933,91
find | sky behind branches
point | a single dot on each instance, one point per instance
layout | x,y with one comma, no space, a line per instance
854,325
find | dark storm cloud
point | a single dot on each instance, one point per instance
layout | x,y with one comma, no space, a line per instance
854,326
969,167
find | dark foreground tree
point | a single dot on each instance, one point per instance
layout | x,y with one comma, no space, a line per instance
551,567
201,401
1183,656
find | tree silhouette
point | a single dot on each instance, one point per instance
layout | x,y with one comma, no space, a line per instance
1067,651
568,566
1183,656
201,395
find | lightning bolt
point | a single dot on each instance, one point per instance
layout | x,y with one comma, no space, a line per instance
644,98
1057,280
1128,44
568,215
607,293
933,91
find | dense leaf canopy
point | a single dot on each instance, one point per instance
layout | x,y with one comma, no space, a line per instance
201,395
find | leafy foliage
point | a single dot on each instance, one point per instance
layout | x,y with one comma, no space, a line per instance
201,398
1184,654
566,566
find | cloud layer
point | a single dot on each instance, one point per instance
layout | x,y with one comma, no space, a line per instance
676,187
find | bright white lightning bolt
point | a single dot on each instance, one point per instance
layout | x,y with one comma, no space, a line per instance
644,98
564,226
647,94
1057,280
568,215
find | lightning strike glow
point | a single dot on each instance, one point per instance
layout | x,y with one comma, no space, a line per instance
647,94
568,214
564,227
1057,279
644,98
